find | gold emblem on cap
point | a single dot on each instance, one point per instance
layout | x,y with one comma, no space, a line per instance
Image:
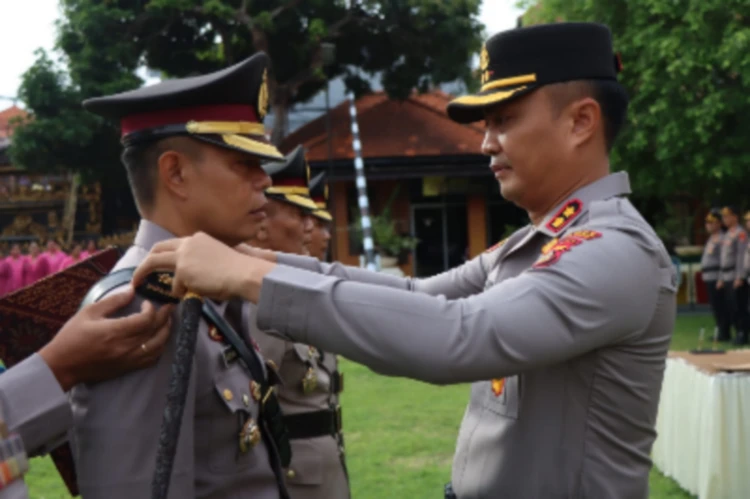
310,381
263,95
484,63
249,436
228,395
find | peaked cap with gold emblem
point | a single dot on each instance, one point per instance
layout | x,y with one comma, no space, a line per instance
518,61
319,195
291,180
225,108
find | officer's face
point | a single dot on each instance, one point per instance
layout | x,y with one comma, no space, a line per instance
320,239
539,148
729,219
288,228
712,226
224,194
521,140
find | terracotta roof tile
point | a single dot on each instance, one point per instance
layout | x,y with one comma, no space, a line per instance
417,126
6,116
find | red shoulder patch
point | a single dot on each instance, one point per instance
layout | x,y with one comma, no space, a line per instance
555,249
495,246
742,235
565,215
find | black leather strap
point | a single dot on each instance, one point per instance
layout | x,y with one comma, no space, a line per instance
314,424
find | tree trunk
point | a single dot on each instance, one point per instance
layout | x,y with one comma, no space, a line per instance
69,216
280,109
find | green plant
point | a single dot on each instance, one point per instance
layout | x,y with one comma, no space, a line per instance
386,237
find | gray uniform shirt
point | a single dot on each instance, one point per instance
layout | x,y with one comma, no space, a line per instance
117,422
33,405
566,355
733,250
711,260
316,470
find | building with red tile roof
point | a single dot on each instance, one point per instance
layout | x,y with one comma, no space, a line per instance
446,197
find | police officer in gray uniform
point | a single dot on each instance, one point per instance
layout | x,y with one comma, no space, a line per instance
710,270
193,151
733,273
34,411
310,382
563,328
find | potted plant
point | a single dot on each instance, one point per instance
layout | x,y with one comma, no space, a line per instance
389,243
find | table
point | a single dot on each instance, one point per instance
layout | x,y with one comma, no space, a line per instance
703,424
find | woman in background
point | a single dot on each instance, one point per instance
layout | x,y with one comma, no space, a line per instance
37,267
16,262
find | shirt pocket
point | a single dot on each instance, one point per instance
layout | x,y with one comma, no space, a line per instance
500,396
235,407
306,467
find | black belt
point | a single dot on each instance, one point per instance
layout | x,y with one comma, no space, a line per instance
710,269
337,382
314,424
726,269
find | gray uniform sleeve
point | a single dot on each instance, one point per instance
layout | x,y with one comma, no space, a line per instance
600,292
741,250
34,405
465,280
117,426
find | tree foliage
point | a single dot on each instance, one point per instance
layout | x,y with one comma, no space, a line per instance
687,70
413,43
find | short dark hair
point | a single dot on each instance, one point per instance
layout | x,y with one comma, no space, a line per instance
609,94
141,161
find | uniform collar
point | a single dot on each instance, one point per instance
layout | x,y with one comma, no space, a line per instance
149,234
567,212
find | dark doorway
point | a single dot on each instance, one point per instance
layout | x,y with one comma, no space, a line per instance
443,239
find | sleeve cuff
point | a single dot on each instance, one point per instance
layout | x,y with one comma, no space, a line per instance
284,297
300,262
34,405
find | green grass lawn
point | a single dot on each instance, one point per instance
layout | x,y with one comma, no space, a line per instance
400,434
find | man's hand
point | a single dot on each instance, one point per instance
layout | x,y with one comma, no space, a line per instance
719,284
205,266
263,254
91,347
737,283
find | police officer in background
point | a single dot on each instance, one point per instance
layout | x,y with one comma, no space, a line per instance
320,238
563,328
310,382
34,411
733,277
710,270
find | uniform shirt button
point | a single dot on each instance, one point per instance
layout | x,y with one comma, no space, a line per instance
291,474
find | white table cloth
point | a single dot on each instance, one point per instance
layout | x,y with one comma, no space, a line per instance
703,425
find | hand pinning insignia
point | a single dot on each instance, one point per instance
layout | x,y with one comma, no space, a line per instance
565,215
553,251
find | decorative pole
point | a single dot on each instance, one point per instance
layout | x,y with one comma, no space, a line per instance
361,180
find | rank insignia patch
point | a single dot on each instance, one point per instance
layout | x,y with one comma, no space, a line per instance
553,251
497,386
565,215
496,246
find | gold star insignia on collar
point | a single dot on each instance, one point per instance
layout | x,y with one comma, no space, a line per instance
565,215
